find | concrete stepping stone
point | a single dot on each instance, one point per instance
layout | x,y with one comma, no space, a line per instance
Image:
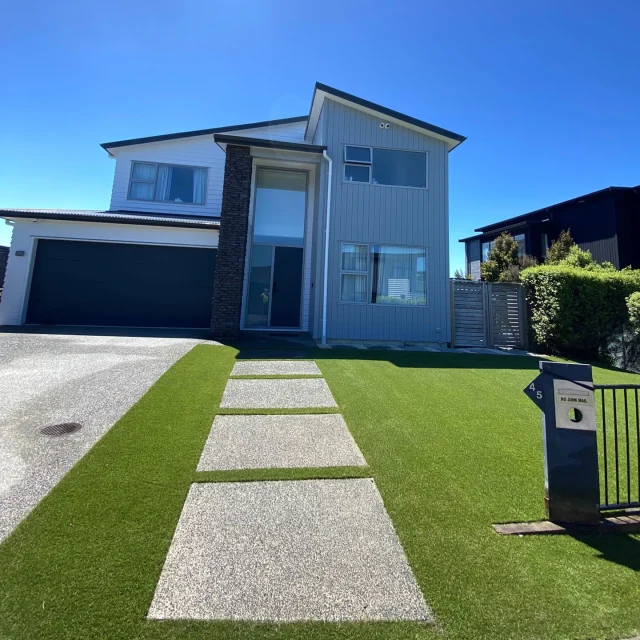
261,442
296,393
286,551
275,368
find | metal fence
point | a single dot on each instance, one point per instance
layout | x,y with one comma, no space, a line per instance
488,314
618,416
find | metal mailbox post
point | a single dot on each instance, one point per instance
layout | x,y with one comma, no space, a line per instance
564,393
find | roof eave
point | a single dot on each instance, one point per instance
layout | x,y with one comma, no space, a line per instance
222,140
8,214
490,228
199,132
321,91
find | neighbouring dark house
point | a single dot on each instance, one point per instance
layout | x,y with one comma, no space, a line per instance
4,256
605,222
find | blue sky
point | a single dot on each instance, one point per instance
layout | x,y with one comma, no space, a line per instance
547,92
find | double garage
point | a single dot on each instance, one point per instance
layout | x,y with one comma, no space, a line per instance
120,284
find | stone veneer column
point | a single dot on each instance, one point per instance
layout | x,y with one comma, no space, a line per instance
232,244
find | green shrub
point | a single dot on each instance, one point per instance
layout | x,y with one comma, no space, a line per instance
633,306
559,248
503,254
489,271
576,312
577,257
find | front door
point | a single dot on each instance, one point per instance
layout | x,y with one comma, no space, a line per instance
286,290
274,293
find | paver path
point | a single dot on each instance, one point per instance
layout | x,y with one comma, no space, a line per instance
275,367
288,550
284,551
262,442
296,393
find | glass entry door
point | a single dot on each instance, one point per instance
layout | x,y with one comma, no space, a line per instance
274,294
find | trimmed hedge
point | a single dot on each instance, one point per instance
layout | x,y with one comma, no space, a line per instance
633,305
576,312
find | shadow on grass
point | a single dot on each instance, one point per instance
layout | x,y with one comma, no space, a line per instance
274,348
620,548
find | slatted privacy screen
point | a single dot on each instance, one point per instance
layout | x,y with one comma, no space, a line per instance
486,314
469,313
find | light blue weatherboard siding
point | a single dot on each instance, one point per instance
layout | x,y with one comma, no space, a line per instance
375,214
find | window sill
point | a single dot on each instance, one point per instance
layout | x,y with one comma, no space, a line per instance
167,202
390,186
391,306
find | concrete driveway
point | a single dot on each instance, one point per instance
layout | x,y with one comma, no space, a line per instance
49,379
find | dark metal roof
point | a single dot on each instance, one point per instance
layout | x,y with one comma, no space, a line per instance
223,139
532,215
115,217
386,111
200,132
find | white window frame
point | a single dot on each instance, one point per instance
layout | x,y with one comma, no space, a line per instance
346,272
369,164
368,274
154,182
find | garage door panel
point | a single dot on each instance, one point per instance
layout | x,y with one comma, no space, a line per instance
97,283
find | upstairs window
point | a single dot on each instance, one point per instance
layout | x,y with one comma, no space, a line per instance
168,183
389,167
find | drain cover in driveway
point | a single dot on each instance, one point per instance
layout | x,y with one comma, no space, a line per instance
60,429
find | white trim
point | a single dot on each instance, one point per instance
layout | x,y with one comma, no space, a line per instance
326,247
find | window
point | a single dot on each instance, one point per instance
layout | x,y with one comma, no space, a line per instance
544,241
357,173
383,274
487,246
168,183
390,167
354,273
400,168
281,199
398,275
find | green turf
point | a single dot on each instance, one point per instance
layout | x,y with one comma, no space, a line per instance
453,444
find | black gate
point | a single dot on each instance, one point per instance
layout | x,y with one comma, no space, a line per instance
618,417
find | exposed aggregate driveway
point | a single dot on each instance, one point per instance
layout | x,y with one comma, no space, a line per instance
51,379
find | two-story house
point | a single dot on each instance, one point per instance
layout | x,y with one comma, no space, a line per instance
334,223
605,222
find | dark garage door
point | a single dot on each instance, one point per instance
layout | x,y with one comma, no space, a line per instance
110,284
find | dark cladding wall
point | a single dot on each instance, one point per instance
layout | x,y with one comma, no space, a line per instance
232,244
4,256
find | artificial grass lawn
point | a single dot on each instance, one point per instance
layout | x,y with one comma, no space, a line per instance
453,444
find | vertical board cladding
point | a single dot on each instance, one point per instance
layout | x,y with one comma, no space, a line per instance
628,228
4,257
232,243
593,227
376,214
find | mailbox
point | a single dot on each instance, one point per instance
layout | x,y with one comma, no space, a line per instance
574,406
564,393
